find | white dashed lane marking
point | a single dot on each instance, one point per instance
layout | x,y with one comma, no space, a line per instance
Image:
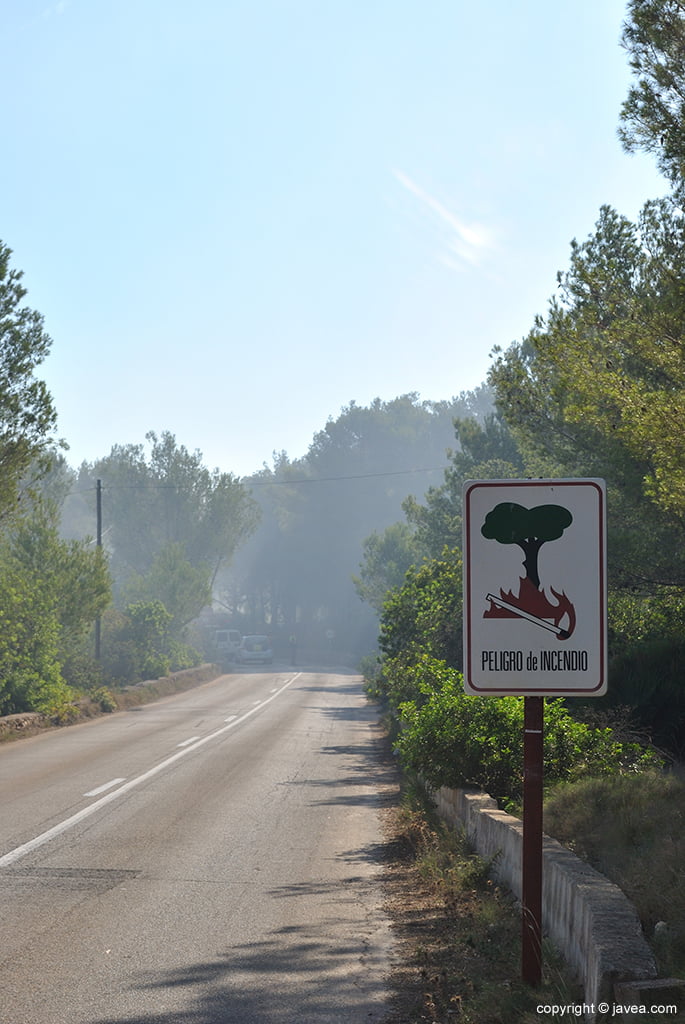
103,789
33,844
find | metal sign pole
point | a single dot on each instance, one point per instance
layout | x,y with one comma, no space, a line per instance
531,933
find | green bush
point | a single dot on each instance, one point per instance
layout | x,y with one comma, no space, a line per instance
59,707
457,740
182,655
415,678
30,678
425,613
104,699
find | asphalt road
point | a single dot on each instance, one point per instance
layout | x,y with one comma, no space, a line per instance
208,858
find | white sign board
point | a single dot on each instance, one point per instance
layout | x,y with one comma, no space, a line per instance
535,587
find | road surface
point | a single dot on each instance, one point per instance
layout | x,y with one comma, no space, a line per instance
211,857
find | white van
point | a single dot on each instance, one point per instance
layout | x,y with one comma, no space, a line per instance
227,642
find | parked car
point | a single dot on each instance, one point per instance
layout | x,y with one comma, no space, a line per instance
227,642
254,649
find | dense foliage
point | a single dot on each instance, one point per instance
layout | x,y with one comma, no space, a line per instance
27,414
140,643
596,389
598,386
458,740
162,496
30,677
425,614
373,510
653,115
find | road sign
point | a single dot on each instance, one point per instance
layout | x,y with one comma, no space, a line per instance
535,587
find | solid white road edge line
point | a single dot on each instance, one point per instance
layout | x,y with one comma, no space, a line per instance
56,830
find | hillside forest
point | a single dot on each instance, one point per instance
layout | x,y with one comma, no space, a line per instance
355,546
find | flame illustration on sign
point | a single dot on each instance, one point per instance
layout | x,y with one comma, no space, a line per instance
533,605
509,523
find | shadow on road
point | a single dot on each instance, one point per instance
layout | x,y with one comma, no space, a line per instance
304,981
313,973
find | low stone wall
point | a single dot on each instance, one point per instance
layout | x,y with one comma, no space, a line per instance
184,677
22,723
29,722
588,919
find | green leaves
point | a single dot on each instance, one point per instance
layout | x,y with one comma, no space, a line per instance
425,613
653,115
27,415
598,387
73,574
30,678
183,588
387,557
457,740
167,496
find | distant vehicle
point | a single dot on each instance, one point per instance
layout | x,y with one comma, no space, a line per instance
254,649
227,642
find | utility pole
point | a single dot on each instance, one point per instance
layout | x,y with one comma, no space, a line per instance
98,512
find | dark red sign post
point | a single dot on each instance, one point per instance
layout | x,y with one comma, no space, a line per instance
531,930
534,626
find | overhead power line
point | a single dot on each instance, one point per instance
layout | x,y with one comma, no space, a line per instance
352,476
251,482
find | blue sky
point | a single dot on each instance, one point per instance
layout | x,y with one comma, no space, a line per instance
237,216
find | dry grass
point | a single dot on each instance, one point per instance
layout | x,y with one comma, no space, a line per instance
458,932
632,829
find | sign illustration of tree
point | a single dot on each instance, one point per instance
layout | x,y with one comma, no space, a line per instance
510,523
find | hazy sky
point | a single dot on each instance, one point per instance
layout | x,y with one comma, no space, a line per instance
239,215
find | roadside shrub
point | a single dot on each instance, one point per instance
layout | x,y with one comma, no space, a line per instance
138,644
104,699
425,613
457,740
80,669
59,706
182,655
30,677
410,678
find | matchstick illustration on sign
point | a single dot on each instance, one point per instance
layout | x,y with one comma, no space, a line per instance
530,528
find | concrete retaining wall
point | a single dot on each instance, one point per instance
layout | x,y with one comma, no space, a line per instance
588,919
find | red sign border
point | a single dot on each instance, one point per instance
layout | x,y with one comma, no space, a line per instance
545,691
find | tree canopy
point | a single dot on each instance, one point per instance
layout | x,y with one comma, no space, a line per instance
27,413
167,496
653,114
598,386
